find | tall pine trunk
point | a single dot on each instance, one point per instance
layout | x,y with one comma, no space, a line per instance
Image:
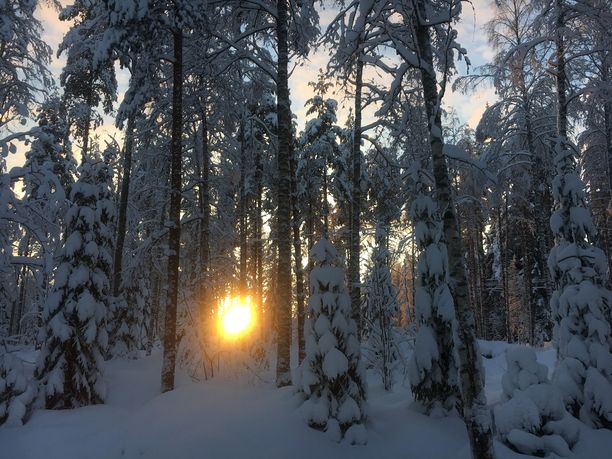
476,414
174,233
283,296
123,204
355,224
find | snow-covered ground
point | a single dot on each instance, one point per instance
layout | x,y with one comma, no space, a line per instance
237,418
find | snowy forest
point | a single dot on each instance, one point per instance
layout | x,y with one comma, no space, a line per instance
266,228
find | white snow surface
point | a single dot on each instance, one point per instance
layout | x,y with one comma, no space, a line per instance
235,418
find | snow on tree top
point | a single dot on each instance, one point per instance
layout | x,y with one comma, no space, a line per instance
323,253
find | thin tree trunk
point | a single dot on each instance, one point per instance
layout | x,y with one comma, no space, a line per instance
475,411
325,204
355,241
205,199
283,297
123,203
560,72
174,233
297,251
503,246
257,234
20,305
607,230
242,212
85,149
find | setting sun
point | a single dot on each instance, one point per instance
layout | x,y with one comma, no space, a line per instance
236,316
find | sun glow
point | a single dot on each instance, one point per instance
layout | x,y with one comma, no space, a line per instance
236,316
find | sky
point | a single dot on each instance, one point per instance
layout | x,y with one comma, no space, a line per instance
469,107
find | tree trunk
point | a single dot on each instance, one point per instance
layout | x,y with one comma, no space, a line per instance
86,135
242,212
174,233
297,251
205,199
355,249
257,246
283,297
503,247
607,230
325,204
475,411
123,203
560,72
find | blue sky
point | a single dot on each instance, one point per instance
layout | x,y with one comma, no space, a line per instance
468,107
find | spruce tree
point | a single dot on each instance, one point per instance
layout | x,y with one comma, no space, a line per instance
581,302
381,311
433,369
381,305
74,335
333,378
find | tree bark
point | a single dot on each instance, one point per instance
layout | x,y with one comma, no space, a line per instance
205,199
355,242
174,233
475,411
123,203
560,72
242,217
86,135
283,297
297,252
257,245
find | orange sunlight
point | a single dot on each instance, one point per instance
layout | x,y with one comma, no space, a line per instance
236,316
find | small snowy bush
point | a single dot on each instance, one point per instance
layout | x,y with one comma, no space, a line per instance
16,392
532,419
332,378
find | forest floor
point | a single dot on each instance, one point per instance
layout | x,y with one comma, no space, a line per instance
236,417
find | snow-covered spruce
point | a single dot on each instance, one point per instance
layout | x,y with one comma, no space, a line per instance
333,378
137,295
121,337
381,310
47,177
432,367
16,392
580,303
74,335
533,419
122,328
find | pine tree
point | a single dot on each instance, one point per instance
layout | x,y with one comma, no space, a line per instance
580,303
24,57
85,85
381,305
381,312
74,335
48,174
333,379
433,369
